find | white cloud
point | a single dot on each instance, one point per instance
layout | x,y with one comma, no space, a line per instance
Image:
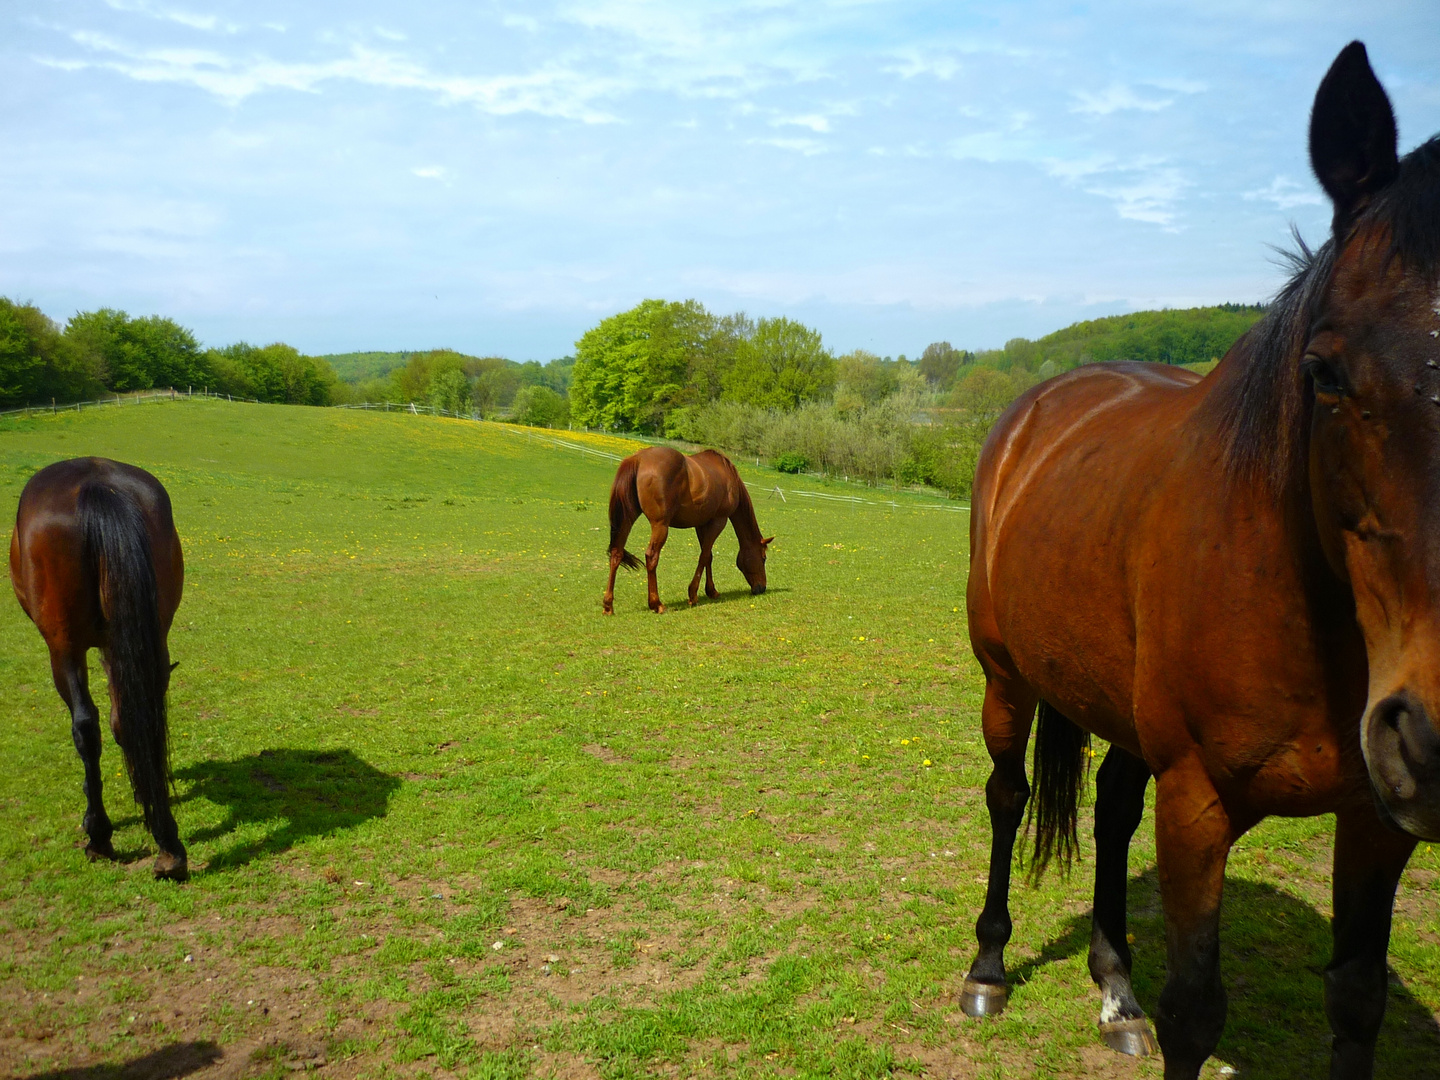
908,65
1286,194
1150,196
813,121
176,15
1114,98
808,147
551,91
1145,189
431,172
389,35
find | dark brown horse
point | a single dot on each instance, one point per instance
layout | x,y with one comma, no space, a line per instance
96,564
700,492
1234,581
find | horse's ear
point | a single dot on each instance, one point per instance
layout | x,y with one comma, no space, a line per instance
767,540
1352,135
174,665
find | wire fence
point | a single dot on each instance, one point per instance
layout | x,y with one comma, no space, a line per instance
168,394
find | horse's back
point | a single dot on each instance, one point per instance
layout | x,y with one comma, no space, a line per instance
1063,478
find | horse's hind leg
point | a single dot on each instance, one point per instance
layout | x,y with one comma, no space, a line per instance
707,535
1119,804
72,679
1369,859
1006,715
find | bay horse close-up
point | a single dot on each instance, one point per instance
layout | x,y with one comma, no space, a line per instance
1235,582
96,564
701,491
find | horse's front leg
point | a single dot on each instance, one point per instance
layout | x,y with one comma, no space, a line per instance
1006,715
1193,835
707,535
1119,805
1369,859
659,530
72,679
617,557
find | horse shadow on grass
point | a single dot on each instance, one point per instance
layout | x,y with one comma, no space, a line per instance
290,795
1273,949
726,596
168,1063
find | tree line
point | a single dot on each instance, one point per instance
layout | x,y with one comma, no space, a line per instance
770,387
528,393
108,351
767,387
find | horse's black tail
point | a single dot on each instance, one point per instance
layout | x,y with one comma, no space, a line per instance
624,509
1062,765
117,546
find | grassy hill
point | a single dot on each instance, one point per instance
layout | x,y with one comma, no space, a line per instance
1172,336
354,367
445,819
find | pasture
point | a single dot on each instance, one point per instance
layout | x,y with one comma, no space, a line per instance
446,820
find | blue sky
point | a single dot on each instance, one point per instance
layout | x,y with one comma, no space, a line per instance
496,177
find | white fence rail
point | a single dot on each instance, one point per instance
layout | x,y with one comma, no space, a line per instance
170,394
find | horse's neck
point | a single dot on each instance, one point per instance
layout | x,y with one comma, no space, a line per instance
747,529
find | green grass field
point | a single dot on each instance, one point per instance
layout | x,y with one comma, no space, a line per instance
446,820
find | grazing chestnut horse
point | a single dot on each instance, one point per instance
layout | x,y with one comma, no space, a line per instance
700,492
1234,581
96,564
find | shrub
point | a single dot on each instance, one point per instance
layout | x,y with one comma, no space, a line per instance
791,462
539,406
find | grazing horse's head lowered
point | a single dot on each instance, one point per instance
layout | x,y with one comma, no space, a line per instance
751,562
1371,365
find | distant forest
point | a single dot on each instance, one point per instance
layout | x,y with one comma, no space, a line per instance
763,387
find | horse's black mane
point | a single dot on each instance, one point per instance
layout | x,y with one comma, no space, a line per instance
1264,409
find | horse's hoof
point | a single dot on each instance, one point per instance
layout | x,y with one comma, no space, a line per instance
983,999
97,851
607,611
659,609
1132,1037
171,867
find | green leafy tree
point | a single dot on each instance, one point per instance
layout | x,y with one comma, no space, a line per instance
38,363
941,362
450,391
276,373
412,382
138,354
782,364
631,370
23,333
497,380
556,374
539,406
863,379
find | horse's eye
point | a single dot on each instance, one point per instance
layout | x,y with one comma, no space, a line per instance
1324,375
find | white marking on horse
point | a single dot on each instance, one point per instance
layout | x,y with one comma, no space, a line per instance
1109,1007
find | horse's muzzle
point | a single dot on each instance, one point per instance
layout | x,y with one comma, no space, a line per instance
756,590
1402,750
